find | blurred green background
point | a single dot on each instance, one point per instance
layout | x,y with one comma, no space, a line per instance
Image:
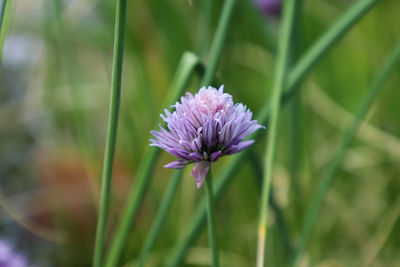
55,79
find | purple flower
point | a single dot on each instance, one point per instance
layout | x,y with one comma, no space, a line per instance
203,128
9,258
269,7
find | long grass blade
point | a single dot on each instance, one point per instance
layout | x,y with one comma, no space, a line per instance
4,15
279,83
218,41
120,21
296,75
159,219
316,201
188,64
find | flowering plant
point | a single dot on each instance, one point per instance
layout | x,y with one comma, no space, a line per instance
203,128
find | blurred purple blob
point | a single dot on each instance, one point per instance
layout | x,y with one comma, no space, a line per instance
203,128
269,7
10,258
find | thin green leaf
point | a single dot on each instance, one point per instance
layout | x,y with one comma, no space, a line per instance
119,34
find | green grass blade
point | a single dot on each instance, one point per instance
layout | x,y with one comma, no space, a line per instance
331,37
317,199
296,75
188,64
4,15
279,83
205,26
2,12
159,219
295,140
120,21
218,42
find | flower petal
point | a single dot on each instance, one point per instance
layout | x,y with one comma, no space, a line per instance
215,156
200,171
237,148
177,164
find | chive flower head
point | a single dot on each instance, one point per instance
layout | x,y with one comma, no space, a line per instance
10,258
270,8
203,128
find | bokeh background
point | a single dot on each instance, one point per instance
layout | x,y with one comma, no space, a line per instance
55,79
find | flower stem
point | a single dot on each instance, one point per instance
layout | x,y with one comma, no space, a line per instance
210,219
188,64
279,83
120,20
316,201
296,75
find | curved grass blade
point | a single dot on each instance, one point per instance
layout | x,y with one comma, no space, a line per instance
296,75
188,64
316,201
218,41
5,13
120,21
159,219
279,83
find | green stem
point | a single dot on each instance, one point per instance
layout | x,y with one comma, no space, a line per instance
210,219
218,42
120,21
295,139
205,26
188,64
5,11
296,75
316,202
279,81
256,164
329,38
160,218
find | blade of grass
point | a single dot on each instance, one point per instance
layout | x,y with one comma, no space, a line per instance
2,12
218,42
316,201
296,75
4,15
159,219
256,165
279,83
188,64
295,140
120,21
205,26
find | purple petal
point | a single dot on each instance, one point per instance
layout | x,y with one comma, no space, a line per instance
196,156
177,164
215,156
200,171
237,148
